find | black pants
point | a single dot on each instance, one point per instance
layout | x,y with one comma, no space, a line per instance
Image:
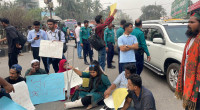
87,50
12,59
87,101
110,54
35,51
198,103
139,61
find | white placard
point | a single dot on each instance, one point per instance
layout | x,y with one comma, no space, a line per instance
21,96
110,103
75,79
52,49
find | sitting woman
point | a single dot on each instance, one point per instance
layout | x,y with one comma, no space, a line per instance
63,66
94,94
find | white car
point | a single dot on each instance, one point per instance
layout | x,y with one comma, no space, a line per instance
166,42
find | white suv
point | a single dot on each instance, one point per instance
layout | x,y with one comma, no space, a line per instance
166,43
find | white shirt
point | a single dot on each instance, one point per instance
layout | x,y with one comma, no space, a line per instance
54,35
77,31
121,81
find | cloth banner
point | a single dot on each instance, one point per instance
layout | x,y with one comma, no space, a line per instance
46,88
21,96
52,49
8,104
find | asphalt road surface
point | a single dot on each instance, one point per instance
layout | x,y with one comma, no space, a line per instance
164,97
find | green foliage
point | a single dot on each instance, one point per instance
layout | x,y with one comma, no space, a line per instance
152,12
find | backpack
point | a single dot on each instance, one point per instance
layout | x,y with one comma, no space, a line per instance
22,39
96,42
64,44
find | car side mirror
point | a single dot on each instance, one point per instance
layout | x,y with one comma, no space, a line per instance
158,41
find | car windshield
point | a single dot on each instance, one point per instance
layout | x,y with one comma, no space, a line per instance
177,33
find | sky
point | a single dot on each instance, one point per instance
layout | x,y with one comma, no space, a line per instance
131,7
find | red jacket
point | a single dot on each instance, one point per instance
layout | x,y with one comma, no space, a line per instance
100,27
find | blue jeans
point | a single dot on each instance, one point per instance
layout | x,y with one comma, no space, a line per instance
121,68
139,61
3,93
79,49
102,57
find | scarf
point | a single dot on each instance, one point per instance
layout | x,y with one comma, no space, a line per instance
61,64
189,92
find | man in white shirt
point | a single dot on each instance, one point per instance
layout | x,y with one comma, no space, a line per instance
54,36
79,48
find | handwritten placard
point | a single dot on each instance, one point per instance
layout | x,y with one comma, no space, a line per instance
8,104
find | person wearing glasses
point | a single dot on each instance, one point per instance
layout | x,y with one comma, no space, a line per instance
35,69
94,94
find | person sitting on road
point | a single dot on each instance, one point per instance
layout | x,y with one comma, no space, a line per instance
93,95
142,98
64,66
122,80
15,72
7,88
35,70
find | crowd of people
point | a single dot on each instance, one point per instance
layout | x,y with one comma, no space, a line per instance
131,47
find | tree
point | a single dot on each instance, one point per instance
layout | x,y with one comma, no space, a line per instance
152,12
97,7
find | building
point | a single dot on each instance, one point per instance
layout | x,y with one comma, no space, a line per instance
30,4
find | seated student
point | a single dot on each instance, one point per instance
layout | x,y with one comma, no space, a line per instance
7,88
142,98
121,81
63,65
35,70
92,95
15,72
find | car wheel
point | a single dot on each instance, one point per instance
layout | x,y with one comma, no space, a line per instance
172,75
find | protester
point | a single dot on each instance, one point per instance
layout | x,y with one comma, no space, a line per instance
109,38
84,35
139,54
79,47
15,75
53,35
63,66
142,98
127,44
34,37
100,32
93,95
7,88
35,68
122,80
13,42
188,84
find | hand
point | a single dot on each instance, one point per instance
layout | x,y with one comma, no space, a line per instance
32,71
18,46
107,49
107,93
115,11
81,45
148,58
36,38
9,88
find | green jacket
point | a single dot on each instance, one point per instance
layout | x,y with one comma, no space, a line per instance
40,71
141,39
84,33
97,93
120,32
109,36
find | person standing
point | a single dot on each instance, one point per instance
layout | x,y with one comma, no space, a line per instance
139,54
127,44
188,84
109,37
100,32
13,42
34,37
84,35
79,47
53,35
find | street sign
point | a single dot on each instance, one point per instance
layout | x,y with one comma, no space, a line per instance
179,8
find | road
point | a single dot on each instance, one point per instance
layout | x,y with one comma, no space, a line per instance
164,97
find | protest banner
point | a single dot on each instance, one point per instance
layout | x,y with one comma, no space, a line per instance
8,104
52,49
46,88
112,8
21,96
